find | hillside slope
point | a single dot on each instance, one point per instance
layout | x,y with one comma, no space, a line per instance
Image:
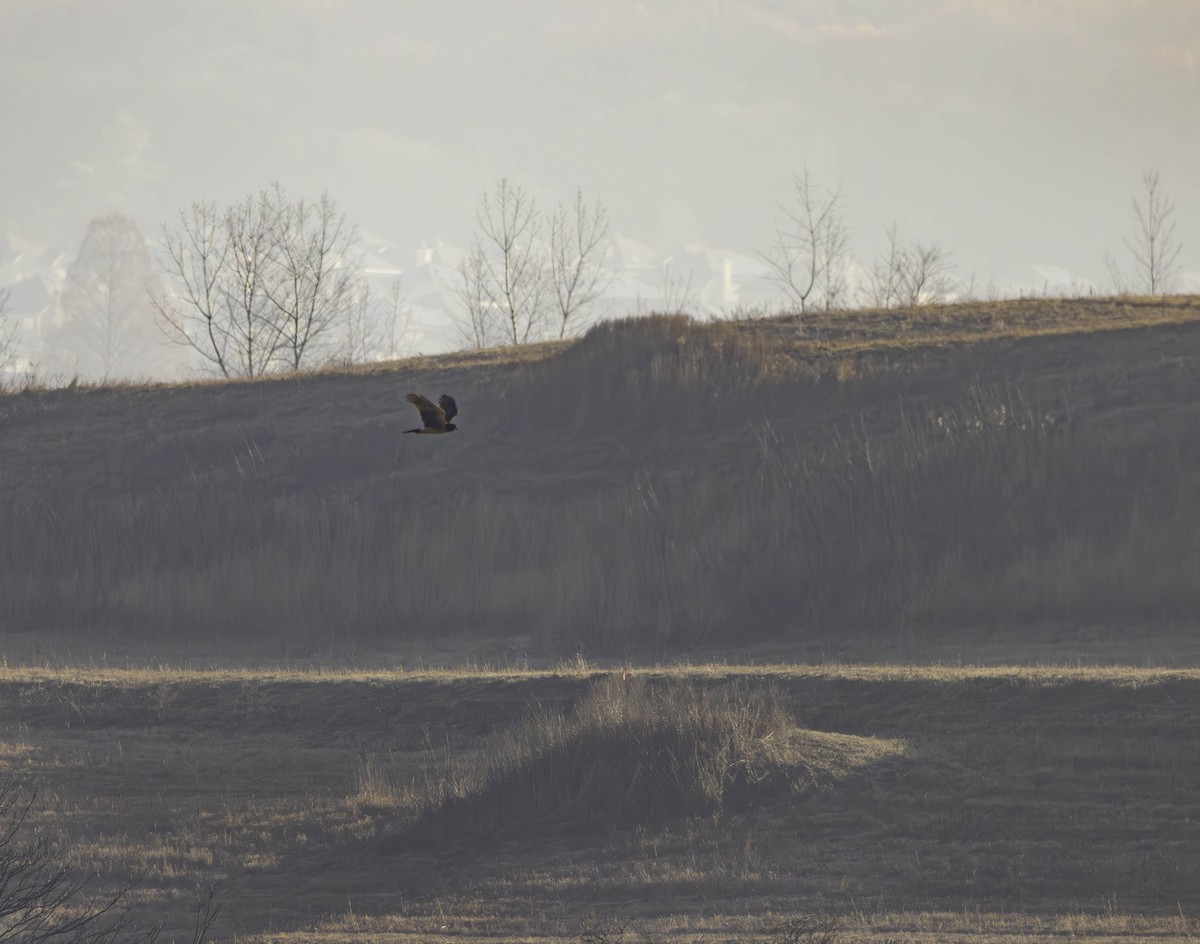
658,484
660,393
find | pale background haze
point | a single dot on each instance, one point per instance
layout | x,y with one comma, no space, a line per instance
1014,133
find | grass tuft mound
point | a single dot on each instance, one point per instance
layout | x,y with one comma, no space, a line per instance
634,753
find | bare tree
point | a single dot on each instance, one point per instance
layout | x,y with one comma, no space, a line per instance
1152,246
8,333
193,311
105,316
911,273
927,277
314,283
360,334
809,256
374,328
480,329
887,276
834,281
42,898
397,321
675,293
251,229
505,285
577,240
255,287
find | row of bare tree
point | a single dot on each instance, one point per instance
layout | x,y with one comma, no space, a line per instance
274,282
270,283
259,284
529,276
809,259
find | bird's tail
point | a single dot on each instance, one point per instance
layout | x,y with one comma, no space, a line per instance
417,430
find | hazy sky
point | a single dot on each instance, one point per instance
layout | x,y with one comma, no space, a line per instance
1013,131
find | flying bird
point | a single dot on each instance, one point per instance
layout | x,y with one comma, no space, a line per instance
435,416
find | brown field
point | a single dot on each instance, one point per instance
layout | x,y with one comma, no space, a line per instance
900,476
928,804
907,602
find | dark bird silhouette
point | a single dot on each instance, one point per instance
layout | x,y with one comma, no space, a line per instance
435,416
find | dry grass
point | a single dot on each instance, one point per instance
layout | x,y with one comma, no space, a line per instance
879,476
1006,482
634,754
917,803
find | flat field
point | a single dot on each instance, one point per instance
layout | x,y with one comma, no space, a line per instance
925,803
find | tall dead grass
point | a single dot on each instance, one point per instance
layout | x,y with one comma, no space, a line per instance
630,753
989,509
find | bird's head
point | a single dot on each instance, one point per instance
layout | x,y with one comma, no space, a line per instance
451,427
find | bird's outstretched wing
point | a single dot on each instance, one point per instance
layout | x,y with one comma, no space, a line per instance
432,415
449,407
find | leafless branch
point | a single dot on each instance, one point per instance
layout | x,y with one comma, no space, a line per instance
250,234
809,256
257,287
9,335
577,240
480,328
41,894
207,910
675,290
192,312
1152,246
911,273
398,320
314,283
506,286
104,315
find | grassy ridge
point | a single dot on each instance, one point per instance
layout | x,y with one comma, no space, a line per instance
1026,798
659,485
630,754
